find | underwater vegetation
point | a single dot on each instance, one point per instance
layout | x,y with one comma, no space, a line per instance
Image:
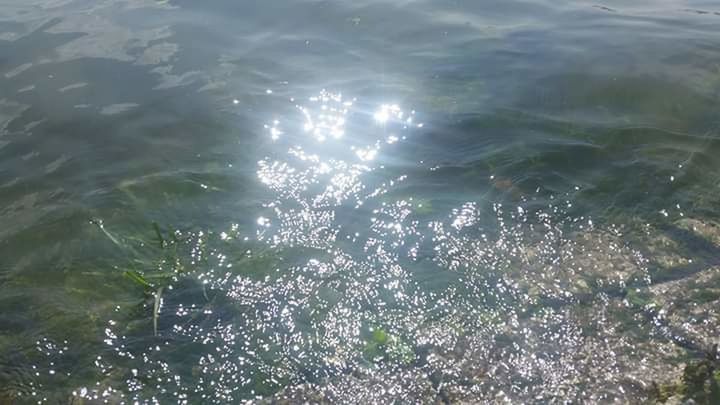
339,292
258,334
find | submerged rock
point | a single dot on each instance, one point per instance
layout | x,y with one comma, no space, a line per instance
574,319
691,306
708,230
666,252
685,294
533,313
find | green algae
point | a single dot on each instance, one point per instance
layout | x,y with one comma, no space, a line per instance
382,347
639,297
699,384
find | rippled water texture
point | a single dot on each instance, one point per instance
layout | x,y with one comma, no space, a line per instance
359,202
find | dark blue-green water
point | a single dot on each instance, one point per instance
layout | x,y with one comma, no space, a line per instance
361,202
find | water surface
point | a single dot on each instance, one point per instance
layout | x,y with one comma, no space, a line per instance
373,201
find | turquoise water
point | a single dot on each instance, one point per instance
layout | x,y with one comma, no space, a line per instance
359,202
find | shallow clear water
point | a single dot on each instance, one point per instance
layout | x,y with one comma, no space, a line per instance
357,202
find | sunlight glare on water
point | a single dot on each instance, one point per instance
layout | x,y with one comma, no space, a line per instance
359,202
344,289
